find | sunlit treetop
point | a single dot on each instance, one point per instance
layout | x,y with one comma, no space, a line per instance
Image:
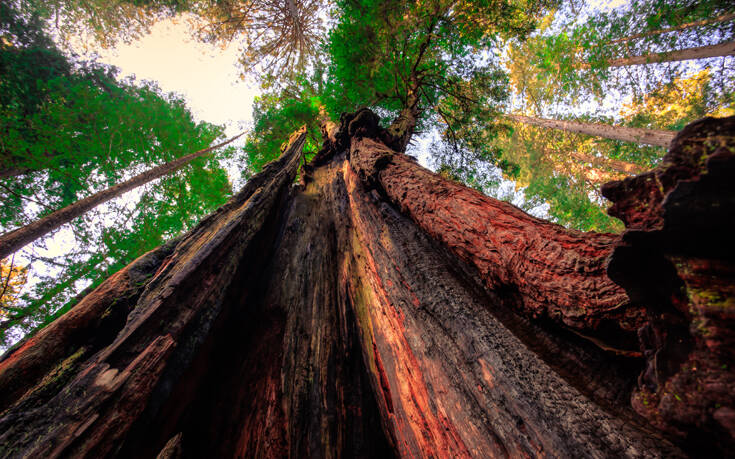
437,58
277,38
103,22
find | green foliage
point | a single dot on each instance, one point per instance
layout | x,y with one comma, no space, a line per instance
101,22
579,54
383,51
276,115
275,119
570,204
69,130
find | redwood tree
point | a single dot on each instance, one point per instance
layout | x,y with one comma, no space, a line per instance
377,309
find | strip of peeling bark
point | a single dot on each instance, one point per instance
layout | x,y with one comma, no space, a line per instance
107,392
79,333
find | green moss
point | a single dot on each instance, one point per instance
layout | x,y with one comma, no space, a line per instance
63,369
711,298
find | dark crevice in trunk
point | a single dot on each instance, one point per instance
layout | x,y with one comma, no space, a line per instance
195,381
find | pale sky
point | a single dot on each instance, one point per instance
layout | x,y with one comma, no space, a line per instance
207,76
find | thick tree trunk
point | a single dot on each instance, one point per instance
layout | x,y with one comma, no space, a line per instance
375,310
700,52
703,22
626,134
17,239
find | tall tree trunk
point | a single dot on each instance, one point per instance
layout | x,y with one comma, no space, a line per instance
700,52
626,134
17,239
375,310
703,22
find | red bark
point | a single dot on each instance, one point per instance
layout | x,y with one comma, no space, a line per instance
551,271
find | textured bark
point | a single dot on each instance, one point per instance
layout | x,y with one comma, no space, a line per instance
626,134
375,310
677,258
403,127
551,272
103,395
17,239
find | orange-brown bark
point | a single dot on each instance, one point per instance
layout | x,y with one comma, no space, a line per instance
549,270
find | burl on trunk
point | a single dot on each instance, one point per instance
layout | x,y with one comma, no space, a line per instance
378,310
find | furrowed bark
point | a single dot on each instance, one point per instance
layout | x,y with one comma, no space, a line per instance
441,358
550,271
626,134
17,239
95,408
80,332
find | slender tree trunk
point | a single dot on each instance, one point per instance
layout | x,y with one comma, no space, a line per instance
375,310
626,134
17,239
703,22
701,52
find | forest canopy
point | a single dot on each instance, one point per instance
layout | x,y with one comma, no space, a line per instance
538,102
